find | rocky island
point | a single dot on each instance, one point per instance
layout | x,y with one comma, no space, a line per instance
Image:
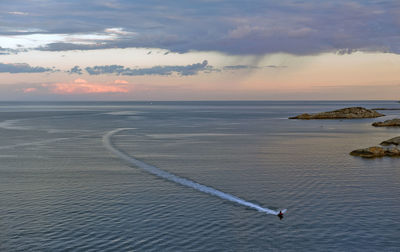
345,113
378,151
392,141
387,123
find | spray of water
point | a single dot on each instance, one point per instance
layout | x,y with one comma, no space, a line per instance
171,177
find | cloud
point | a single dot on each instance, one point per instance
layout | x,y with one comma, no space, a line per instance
275,66
29,90
75,70
61,46
19,13
118,31
187,70
240,67
346,51
121,82
232,27
8,51
80,81
22,68
81,86
4,51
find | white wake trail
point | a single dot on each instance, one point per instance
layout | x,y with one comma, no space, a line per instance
171,177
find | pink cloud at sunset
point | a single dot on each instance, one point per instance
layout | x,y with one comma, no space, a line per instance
29,90
81,86
121,82
79,80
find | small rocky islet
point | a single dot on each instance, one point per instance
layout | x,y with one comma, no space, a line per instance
388,123
387,148
392,141
345,113
376,151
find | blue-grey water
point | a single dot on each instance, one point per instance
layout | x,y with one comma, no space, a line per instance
63,188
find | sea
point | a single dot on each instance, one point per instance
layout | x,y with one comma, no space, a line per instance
194,176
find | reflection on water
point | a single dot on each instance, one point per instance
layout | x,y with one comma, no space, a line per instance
62,190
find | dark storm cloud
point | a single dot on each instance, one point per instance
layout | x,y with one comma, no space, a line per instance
60,46
22,68
229,26
187,70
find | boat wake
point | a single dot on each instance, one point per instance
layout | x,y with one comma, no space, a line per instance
174,178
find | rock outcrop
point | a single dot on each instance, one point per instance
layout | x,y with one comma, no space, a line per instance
346,113
388,123
376,151
392,152
392,141
370,152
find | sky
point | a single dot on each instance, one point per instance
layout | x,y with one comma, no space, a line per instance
199,50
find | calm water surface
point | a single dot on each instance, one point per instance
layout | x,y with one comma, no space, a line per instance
62,190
